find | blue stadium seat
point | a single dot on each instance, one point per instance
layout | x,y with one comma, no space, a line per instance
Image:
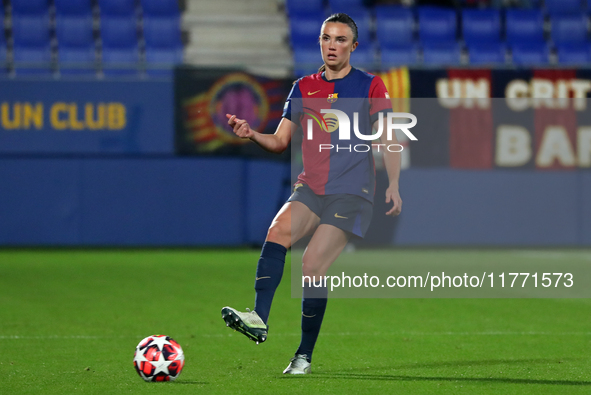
487,53
363,22
33,61
555,7
120,45
397,56
32,51
305,31
3,60
449,53
524,26
480,26
30,7
77,61
354,8
306,60
394,26
160,62
160,8
120,61
73,7
119,32
530,54
74,31
30,30
162,32
3,47
364,58
304,7
340,5
76,46
437,24
573,54
164,48
117,7
569,29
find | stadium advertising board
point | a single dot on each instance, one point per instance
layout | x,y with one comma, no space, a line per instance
204,97
468,118
504,119
86,117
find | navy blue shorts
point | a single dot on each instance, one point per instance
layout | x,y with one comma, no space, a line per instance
350,213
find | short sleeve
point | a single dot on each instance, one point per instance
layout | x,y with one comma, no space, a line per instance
291,109
379,99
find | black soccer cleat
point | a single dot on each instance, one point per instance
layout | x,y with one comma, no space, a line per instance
248,323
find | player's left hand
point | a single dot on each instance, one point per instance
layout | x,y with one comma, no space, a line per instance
392,195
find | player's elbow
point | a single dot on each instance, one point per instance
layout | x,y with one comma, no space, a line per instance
281,147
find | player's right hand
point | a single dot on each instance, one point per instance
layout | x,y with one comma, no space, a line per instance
240,127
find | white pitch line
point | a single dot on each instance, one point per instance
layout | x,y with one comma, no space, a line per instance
220,335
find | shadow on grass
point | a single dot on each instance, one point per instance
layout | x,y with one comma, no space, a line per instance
485,362
190,382
493,380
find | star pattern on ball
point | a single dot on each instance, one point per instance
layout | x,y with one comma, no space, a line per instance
161,364
154,357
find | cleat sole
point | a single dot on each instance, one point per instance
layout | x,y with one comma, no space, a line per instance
234,322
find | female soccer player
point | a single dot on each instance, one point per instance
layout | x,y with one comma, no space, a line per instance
333,197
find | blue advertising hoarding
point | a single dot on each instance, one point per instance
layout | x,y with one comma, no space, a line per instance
86,117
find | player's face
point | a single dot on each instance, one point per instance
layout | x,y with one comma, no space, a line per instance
336,43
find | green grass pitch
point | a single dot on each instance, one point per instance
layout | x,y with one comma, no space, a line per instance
70,320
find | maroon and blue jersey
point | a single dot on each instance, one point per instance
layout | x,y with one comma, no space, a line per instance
341,169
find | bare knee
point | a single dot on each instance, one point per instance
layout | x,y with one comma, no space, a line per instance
312,268
280,233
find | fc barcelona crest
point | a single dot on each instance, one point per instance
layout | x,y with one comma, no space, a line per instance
332,97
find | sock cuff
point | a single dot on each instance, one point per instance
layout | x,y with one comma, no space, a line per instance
312,292
274,250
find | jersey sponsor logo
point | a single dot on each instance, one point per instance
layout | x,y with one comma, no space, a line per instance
313,93
339,216
332,97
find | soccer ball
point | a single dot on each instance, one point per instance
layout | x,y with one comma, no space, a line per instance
158,358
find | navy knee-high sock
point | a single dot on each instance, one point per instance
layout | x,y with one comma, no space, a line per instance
268,277
313,307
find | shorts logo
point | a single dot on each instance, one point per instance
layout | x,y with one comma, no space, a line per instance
338,216
332,97
364,190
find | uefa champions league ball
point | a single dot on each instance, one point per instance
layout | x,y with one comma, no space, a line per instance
158,358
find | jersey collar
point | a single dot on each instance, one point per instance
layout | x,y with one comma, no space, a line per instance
338,79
